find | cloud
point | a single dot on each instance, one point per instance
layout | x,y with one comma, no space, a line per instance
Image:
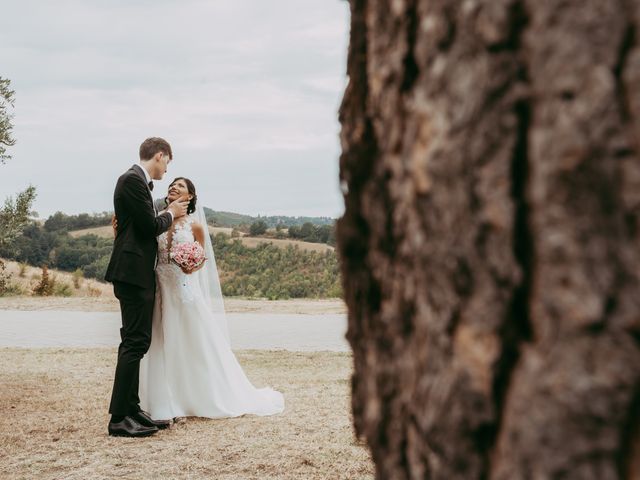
247,83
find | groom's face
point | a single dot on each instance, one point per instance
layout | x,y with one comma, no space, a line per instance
161,162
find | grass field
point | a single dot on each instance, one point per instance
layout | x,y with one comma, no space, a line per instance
53,418
283,242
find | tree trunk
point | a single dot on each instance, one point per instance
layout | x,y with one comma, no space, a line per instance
490,243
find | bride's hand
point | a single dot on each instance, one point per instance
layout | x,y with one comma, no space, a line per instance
190,271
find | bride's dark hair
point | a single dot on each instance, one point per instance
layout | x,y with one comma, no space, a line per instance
192,191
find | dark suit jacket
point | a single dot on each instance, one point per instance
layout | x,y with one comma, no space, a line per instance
136,245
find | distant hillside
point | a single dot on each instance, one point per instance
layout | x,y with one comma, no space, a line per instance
230,219
62,221
226,219
274,268
106,232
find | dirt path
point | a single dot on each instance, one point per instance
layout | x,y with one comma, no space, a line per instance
108,303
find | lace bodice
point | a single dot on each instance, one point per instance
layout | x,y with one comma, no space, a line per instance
185,287
181,234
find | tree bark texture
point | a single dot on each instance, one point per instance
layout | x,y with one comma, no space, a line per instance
490,244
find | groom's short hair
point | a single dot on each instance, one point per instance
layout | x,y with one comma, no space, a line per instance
153,145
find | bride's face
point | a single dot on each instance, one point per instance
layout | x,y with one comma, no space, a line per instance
178,189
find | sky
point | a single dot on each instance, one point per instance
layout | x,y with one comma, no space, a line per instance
246,92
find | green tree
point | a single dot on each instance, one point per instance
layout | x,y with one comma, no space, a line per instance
7,97
307,230
258,228
14,216
294,231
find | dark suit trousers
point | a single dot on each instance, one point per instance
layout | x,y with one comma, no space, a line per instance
136,306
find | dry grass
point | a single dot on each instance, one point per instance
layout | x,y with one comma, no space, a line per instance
105,231
225,230
283,243
53,420
32,275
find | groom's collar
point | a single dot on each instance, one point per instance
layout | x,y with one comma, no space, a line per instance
144,170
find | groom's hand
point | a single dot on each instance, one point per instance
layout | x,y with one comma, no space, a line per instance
179,207
114,224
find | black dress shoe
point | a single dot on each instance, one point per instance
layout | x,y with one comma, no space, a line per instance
143,418
129,427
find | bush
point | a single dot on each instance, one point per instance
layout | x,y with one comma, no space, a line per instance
62,290
44,288
98,268
4,276
23,270
77,278
12,289
93,291
258,228
7,287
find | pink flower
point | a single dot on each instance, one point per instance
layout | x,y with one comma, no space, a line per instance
188,255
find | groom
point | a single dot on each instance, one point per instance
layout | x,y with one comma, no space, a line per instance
132,272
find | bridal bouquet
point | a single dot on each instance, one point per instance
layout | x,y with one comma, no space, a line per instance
187,255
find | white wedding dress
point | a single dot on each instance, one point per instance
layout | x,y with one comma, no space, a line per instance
190,369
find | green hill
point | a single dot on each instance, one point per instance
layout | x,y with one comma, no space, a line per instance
226,219
62,221
230,219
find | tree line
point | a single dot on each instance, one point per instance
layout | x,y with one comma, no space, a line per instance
230,219
285,227
307,232
61,221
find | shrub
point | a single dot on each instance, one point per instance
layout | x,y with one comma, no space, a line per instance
77,278
45,287
98,268
258,228
4,277
62,290
93,291
12,289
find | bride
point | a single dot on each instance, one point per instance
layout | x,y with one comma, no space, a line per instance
190,369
